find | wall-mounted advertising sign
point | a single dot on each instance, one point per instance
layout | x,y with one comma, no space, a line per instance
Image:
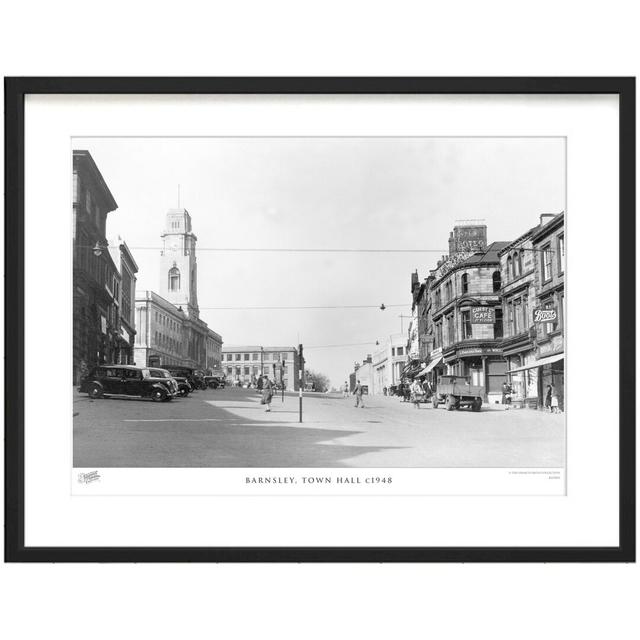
545,315
482,315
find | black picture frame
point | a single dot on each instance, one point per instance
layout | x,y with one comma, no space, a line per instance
15,91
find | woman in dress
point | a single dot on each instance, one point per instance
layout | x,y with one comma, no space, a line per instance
267,392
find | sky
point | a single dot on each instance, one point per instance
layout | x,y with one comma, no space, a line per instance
320,193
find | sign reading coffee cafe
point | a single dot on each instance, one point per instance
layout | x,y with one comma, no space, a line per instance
482,315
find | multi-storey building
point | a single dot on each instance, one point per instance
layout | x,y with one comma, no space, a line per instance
244,364
170,331
459,314
123,259
364,373
97,337
549,314
387,363
533,301
518,272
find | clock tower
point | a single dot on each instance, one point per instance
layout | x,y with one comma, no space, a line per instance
178,268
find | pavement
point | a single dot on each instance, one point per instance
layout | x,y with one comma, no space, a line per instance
230,428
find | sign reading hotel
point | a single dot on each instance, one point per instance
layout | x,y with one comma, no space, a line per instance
545,315
482,315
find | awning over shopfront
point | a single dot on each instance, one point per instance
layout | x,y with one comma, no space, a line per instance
412,369
539,363
429,367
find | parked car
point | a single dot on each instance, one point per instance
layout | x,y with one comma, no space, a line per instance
128,380
178,371
184,388
214,381
456,392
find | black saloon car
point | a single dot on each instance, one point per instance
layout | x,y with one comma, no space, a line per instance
127,380
184,387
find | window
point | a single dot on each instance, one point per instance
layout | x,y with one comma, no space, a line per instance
517,265
497,281
174,279
510,318
237,356
229,356
467,328
517,315
465,283
448,292
255,356
497,327
393,351
246,356
450,330
246,371
547,271
550,327
509,268
400,351
561,254
438,299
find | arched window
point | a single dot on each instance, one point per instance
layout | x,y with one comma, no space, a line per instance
517,265
509,268
497,281
465,283
174,279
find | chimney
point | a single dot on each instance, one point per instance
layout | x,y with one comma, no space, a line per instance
546,217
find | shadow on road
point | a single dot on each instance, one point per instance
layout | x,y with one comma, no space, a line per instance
225,440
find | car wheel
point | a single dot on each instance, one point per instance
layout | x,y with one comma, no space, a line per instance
158,395
95,391
183,393
435,402
450,403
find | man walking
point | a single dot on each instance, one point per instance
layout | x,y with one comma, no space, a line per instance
357,392
345,390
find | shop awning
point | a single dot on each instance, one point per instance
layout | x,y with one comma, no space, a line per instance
429,367
539,363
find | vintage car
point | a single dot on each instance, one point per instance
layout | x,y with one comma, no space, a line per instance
184,388
456,392
214,381
128,380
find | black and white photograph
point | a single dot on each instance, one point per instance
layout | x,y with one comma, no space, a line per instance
319,302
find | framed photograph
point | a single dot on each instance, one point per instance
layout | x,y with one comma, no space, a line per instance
320,319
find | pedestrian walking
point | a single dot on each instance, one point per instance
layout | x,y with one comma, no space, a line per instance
548,398
259,383
345,390
267,392
555,400
357,392
416,393
506,393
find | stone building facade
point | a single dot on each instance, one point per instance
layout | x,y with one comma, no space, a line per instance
123,259
549,314
242,365
97,336
388,363
170,330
